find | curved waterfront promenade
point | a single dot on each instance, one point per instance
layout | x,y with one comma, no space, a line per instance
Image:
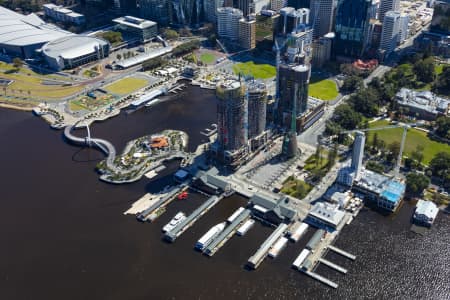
103,145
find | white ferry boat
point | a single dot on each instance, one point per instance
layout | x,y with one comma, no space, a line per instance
179,217
208,237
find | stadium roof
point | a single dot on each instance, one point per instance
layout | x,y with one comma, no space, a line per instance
20,30
73,46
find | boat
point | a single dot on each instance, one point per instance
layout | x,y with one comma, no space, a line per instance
179,217
154,101
277,247
298,233
209,236
244,228
235,215
300,259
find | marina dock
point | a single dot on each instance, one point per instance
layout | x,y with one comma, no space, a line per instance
333,265
263,250
227,233
172,235
149,203
321,279
342,252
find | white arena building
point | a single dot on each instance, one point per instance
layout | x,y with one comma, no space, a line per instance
21,36
73,51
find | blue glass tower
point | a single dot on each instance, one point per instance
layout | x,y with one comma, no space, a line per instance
351,27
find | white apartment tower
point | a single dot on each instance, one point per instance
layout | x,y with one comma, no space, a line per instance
358,153
387,5
390,31
228,22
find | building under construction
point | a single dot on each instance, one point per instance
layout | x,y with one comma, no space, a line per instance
256,94
232,118
292,74
241,120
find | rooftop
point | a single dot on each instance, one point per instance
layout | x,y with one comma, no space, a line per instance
329,213
382,185
426,208
72,46
20,30
424,100
134,22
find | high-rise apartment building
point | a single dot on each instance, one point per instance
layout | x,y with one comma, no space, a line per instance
186,12
246,6
247,33
403,30
351,27
291,19
232,116
322,16
321,50
387,5
257,108
293,80
276,5
210,7
228,22
390,32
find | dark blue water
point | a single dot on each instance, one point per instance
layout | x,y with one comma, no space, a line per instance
64,236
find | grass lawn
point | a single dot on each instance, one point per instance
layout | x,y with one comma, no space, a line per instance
126,86
296,188
323,89
207,58
414,138
261,71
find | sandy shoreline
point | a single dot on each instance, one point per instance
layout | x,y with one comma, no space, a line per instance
16,107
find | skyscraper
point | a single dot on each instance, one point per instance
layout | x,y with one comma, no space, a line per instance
290,145
276,5
228,22
187,12
291,19
322,16
155,10
293,81
257,107
232,116
390,32
246,6
358,153
210,7
351,27
387,5
298,3
247,33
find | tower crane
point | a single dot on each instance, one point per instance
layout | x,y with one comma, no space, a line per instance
402,143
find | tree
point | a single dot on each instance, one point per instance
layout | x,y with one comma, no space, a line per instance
366,102
440,167
318,155
394,150
424,70
352,83
346,117
332,155
443,127
416,183
442,84
417,154
119,57
375,140
170,34
17,63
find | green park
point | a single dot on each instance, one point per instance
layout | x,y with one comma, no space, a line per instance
258,71
126,86
414,138
324,89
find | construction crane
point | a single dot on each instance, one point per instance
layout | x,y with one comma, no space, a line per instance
402,143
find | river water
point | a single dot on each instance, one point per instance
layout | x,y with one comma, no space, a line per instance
64,236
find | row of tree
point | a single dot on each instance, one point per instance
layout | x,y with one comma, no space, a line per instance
186,48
